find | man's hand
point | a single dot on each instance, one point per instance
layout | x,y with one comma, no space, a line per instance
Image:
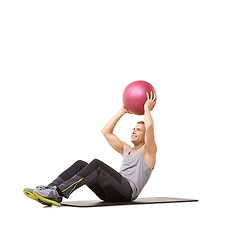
124,110
151,101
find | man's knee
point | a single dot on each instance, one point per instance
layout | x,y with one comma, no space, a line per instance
79,163
96,162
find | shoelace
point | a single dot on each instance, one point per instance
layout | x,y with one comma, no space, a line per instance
41,187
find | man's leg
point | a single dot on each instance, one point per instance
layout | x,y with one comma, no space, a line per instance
69,173
114,190
103,180
106,183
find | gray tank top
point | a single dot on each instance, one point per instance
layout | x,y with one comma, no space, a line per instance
135,170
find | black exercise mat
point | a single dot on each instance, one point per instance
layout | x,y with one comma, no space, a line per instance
152,200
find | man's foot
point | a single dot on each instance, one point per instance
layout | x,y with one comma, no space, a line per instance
29,193
48,195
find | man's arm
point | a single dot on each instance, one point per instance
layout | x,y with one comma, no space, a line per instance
150,147
112,139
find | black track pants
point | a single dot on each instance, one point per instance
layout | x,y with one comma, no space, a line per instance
104,181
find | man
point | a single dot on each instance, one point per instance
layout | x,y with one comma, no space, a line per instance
108,184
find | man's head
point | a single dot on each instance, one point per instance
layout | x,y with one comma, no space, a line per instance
138,133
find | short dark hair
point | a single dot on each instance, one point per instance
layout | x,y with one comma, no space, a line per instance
141,122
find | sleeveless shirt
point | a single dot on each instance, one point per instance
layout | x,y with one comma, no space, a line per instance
135,170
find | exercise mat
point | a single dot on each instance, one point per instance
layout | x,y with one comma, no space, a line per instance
150,200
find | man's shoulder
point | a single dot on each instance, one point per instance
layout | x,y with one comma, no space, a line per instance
125,146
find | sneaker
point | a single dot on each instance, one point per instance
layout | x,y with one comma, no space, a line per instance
48,195
29,193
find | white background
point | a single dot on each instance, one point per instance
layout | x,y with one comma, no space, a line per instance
63,68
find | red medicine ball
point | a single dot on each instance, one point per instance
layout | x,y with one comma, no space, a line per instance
134,96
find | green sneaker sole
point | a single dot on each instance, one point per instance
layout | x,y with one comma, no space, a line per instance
46,200
33,197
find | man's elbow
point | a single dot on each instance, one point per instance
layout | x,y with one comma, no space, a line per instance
105,131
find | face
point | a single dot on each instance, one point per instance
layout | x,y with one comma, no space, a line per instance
138,134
